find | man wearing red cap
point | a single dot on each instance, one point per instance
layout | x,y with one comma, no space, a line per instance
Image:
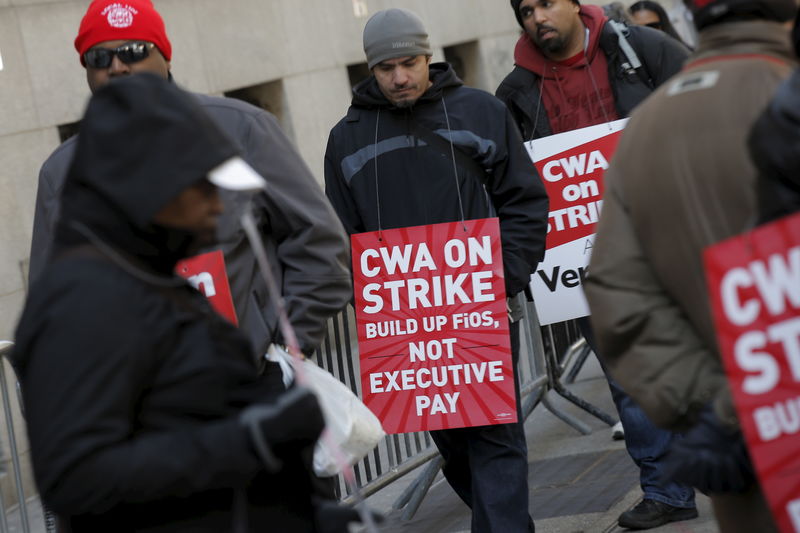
307,244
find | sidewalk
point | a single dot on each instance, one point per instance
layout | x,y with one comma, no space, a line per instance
578,484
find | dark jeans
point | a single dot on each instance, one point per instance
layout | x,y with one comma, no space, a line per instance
487,466
647,444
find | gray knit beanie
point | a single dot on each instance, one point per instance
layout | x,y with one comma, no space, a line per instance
394,33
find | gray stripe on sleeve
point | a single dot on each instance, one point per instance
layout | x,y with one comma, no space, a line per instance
353,163
486,149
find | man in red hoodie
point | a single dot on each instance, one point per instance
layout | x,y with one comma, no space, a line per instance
572,71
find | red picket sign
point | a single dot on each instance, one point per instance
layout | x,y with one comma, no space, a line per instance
572,166
754,283
206,273
433,330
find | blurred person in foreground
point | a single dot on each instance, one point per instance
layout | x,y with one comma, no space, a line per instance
651,14
572,71
144,409
307,249
681,180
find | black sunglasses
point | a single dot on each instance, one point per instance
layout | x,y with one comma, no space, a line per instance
128,53
654,25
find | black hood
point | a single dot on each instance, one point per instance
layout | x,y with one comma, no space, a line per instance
143,141
368,94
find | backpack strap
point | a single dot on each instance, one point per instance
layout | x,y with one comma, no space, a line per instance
633,63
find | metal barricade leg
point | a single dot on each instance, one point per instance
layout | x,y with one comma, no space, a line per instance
534,332
555,381
12,439
583,354
3,520
421,486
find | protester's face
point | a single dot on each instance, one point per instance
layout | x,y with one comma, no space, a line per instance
154,63
404,79
645,17
552,24
196,210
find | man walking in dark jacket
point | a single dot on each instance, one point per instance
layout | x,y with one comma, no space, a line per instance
381,174
308,250
576,69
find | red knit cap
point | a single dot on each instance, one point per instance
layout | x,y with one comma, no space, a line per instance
110,20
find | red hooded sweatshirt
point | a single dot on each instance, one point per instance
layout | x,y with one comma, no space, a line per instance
575,92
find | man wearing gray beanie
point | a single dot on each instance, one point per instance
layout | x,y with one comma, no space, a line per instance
417,148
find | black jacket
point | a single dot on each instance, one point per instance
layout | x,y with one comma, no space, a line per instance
661,57
775,146
415,182
132,385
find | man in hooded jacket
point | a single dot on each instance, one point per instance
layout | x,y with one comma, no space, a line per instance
307,248
143,407
572,72
384,170
681,180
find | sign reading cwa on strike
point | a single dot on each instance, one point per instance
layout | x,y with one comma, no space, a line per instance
754,284
571,165
433,326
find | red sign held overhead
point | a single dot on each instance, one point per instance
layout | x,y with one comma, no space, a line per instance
754,283
433,326
206,273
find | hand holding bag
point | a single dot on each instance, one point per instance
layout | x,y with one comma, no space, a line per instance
350,425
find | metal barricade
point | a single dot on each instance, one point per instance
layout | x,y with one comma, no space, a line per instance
544,354
23,510
544,351
5,349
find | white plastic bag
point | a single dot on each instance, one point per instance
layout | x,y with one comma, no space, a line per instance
352,427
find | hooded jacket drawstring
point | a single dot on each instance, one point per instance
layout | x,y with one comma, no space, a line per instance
606,118
121,261
377,186
557,78
538,110
452,155
455,168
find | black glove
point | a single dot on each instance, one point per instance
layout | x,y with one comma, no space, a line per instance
332,517
294,421
710,457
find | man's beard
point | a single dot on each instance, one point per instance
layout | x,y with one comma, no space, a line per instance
405,103
553,45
